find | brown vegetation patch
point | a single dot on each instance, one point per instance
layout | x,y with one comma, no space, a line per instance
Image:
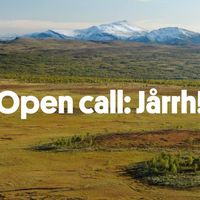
17,86
5,138
167,139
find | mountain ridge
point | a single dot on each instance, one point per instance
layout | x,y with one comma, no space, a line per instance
120,30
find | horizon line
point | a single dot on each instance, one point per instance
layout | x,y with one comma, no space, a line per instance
7,27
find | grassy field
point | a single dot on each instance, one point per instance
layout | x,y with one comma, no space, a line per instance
84,175
40,68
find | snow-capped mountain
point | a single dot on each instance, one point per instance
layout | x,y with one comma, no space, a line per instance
120,30
115,31
172,35
106,32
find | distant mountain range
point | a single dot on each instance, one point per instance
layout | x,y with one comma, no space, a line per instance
121,30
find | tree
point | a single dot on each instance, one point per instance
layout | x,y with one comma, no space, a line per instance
174,169
195,167
190,160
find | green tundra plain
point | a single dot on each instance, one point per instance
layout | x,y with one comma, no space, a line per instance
98,172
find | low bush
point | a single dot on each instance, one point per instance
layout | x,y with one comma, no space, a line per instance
69,143
174,170
172,164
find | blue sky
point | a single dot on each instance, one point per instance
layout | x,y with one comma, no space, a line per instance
20,16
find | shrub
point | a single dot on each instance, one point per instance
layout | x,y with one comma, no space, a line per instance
169,163
73,142
174,170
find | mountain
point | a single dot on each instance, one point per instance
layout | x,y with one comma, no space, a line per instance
120,30
172,35
107,32
7,38
50,34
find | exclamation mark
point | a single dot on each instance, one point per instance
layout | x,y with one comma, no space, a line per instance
198,110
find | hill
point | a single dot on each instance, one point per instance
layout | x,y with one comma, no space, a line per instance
99,59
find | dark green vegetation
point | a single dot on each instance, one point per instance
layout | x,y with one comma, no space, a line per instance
180,171
56,61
